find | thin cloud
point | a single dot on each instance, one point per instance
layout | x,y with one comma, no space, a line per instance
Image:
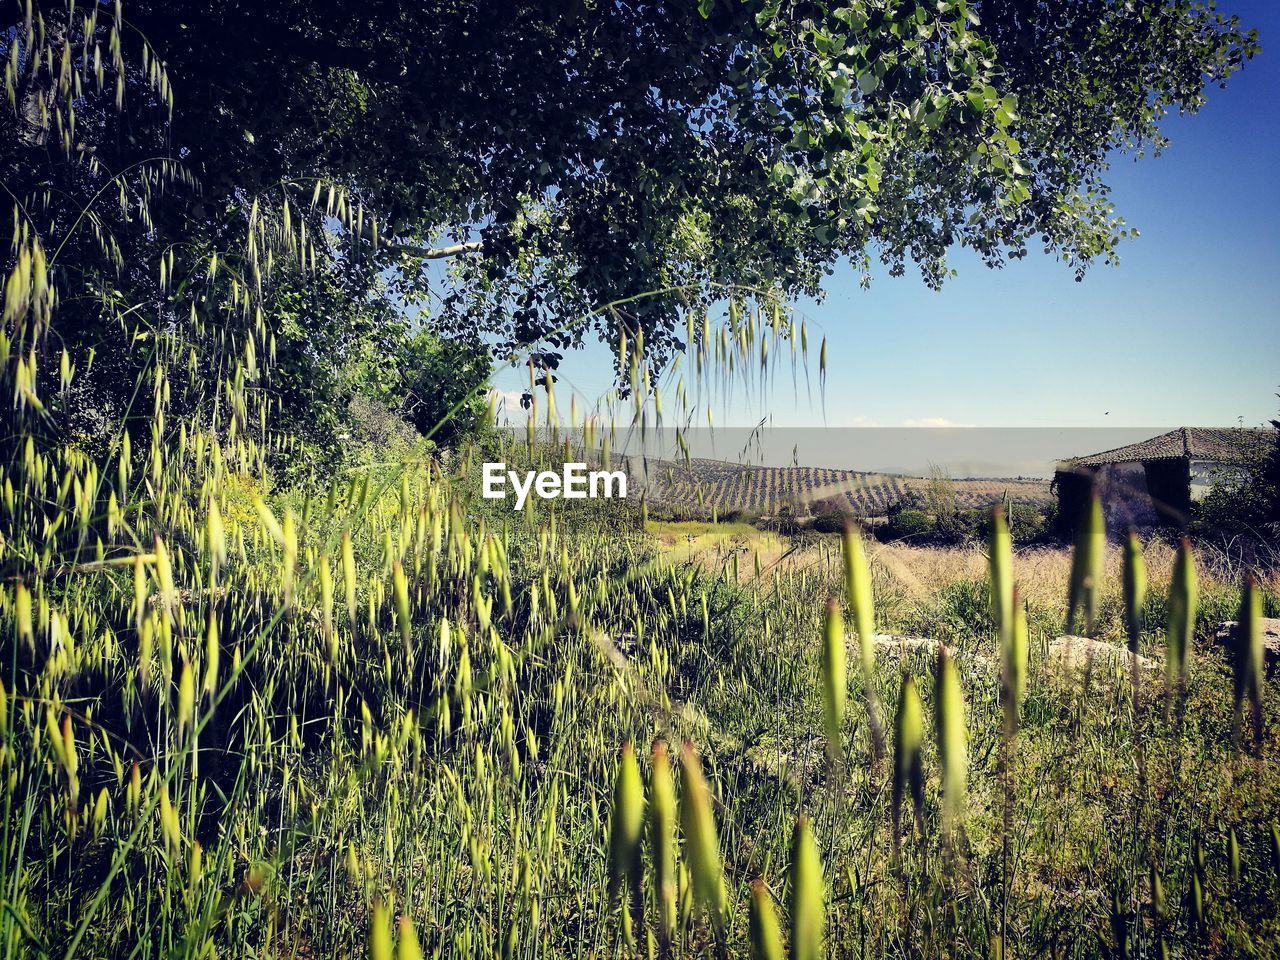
853,420
506,401
934,423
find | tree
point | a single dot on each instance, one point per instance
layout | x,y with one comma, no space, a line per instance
557,156
1247,505
940,499
338,337
436,386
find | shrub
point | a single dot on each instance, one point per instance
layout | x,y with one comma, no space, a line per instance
1249,504
376,432
785,520
1028,522
940,496
962,526
831,521
909,523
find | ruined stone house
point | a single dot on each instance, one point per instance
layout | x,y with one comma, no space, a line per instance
1155,482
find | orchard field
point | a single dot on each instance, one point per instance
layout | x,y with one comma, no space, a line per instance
698,488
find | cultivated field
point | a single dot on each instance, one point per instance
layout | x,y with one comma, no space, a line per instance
698,488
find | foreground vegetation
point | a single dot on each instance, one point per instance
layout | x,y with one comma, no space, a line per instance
276,682
236,723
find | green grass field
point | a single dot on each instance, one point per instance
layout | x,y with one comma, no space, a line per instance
266,724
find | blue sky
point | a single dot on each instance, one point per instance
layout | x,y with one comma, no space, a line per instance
1184,330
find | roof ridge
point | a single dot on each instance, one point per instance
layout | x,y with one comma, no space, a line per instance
1212,443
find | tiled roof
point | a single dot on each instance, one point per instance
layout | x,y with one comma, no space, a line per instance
1230,445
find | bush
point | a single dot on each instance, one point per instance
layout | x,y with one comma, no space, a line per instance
962,526
832,521
376,433
786,522
1241,516
909,523
1249,504
439,386
1030,522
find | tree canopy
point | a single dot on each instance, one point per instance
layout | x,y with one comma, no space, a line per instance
507,166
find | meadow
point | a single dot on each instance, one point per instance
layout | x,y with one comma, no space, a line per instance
282,723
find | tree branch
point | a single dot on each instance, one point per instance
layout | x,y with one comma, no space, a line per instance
438,253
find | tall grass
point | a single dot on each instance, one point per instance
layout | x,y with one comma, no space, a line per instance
217,740
376,715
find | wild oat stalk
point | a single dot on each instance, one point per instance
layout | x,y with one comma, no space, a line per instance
1086,566
408,948
834,680
1135,596
908,755
952,737
702,844
808,896
1248,660
379,932
763,930
662,842
1000,565
857,580
1182,603
626,864
1011,628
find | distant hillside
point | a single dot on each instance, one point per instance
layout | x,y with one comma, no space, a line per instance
693,489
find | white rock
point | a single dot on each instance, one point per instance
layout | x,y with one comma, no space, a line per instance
1270,640
1078,653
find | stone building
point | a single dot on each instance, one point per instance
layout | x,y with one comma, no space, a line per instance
1154,483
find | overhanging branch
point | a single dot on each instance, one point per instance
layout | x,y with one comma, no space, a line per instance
439,253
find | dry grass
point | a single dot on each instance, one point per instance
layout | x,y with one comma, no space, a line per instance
1042,572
